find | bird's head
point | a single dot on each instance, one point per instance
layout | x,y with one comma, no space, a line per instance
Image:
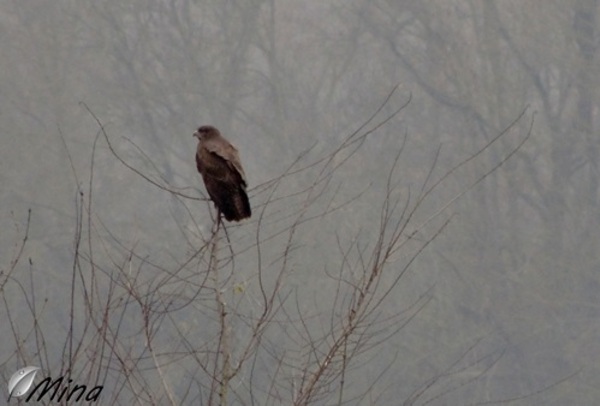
206,131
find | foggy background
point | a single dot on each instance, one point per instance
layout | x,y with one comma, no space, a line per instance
515,272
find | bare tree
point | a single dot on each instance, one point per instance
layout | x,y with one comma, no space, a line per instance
225,324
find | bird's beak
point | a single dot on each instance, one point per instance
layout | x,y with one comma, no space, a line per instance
196,134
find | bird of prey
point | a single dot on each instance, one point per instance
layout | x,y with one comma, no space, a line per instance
219,164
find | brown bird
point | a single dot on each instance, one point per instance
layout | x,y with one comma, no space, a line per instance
219,164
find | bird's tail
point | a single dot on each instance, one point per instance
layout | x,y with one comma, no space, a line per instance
238,208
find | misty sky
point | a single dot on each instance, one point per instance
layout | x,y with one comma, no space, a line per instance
502,304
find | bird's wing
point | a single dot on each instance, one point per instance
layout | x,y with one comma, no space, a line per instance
224,150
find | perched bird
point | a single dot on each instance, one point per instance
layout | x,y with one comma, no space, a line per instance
219,164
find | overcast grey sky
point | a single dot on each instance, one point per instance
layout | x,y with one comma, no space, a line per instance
512,281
